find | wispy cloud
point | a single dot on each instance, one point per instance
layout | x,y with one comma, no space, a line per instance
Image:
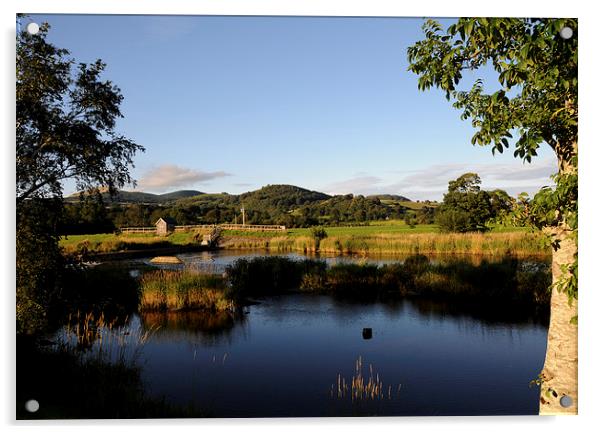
166,176
358,185
169,28
431,182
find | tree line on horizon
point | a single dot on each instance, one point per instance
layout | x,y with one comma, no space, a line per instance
465,208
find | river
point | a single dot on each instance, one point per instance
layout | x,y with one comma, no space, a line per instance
288,355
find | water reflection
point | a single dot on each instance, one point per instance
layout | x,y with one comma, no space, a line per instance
208,328
282,357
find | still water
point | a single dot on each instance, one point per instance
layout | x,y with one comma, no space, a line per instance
287,356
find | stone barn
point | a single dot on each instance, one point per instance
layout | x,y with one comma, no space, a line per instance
165,225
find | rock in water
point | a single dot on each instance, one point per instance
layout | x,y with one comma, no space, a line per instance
166,260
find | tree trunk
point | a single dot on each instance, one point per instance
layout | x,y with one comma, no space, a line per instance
559,374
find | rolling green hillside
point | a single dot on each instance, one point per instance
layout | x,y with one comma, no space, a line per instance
140,197
281,204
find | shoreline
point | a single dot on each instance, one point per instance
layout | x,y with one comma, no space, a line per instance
495,244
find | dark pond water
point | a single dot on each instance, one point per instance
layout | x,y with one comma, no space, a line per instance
285,356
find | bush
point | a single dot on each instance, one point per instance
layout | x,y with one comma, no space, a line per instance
269,275
318,234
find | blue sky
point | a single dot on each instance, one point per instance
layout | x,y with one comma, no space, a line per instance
235,103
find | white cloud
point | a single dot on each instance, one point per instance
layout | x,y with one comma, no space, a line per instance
431,182
356,185
167,176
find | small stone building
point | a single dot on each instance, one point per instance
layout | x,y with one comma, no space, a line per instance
165,225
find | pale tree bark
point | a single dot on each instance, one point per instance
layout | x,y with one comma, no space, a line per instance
559,374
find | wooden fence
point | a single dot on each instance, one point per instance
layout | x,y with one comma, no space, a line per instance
138,230
256,228
230,227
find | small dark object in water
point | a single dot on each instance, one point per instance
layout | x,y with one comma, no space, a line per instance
367,333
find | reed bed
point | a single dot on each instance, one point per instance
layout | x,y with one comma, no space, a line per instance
189,288
514,243
362,388
91,372
492,243
506,279
116,244
100,340
269,275
108,243
518,243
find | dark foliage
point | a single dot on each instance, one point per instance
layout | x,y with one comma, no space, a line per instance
274,204
39,262
65,130
268,275
467,208
506,280
69,387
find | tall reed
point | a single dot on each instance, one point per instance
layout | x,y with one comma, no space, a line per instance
183,289
505,279
493,243
360,387
96,338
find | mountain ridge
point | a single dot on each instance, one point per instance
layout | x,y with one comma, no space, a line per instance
125,196
281,195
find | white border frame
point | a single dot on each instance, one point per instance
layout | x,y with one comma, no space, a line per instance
589,151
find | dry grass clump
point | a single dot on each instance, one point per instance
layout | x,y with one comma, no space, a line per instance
183,289
94,337
490,243
361,387
516,243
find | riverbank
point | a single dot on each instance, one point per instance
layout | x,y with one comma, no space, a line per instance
210,306
507,280
517,244
364,240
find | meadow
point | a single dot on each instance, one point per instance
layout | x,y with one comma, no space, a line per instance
381,238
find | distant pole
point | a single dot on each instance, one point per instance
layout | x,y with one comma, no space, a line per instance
243,215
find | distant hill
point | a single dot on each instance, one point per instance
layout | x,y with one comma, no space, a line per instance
277,196
280,196
141,197
180,194
395,197
281,204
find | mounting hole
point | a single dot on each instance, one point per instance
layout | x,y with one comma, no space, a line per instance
32,406
566,33
33,28
566,401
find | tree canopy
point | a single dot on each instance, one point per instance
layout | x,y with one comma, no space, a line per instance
66,116
65,130
535,101
466,207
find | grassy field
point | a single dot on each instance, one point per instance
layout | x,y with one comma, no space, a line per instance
390,237
104,243
374,228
